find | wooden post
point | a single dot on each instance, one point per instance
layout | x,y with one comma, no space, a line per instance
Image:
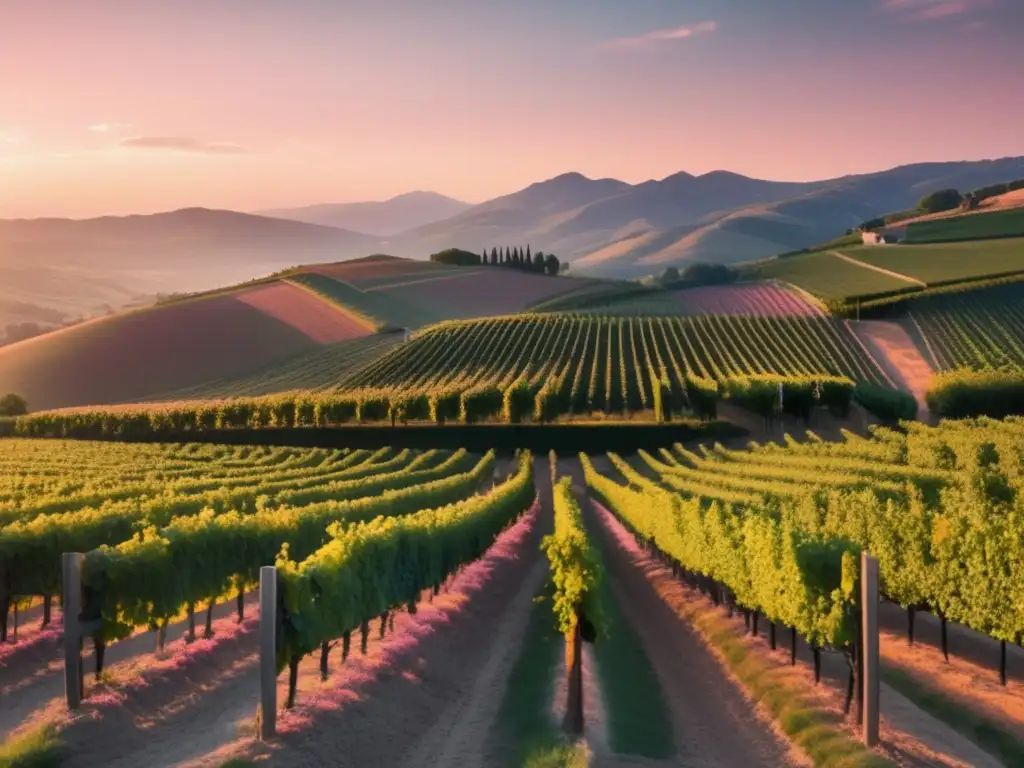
268,652
574,682
71,589
869,646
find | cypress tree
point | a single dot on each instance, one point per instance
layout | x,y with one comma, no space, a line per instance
529,259
483,257
494,255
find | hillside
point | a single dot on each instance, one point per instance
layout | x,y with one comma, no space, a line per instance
137,354
240,334
385,218
69,268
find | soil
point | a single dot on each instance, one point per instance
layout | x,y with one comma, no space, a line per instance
909,736
722,729
895,351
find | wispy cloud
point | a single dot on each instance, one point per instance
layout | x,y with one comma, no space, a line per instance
106,128
658,37
930,10
10,136
183,144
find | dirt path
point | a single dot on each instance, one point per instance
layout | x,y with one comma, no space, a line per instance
37,680
713,724
881,270
458,737
896,352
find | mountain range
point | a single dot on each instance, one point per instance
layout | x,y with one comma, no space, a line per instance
65,268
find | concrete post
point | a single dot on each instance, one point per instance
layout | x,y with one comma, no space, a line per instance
71,589
268,652
869,645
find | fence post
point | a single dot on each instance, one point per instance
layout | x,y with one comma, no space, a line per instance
869,645
268,652
71,589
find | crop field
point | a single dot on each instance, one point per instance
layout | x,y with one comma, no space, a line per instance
139,354
829,277
973,226
893,495
379,309
470,293
945,262
977,331
743,300
309,371
605,360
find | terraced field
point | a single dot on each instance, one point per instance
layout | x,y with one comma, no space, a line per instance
946,262
829,277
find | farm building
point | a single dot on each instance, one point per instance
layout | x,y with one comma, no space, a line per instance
878,238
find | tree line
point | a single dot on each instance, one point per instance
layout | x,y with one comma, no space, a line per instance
513,258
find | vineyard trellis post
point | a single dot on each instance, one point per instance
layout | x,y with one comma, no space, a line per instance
268,652
869,646
71,589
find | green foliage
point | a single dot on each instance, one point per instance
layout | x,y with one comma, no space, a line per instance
576,569
13,404
792,576
702,395
981,225
149,578
39,747
770,396
941,200
457,257
381,565
963,393
889,405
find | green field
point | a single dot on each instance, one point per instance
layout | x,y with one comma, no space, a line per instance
978,330
974,226
944,262
381,310
827,276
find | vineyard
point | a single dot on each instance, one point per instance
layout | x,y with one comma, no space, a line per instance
979,331
539,368
749,299
777,526
167,528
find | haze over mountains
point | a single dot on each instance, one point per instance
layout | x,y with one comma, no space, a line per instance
65,268
408,211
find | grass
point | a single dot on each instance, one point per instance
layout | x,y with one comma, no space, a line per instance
983,731
828,277
945,262
976,226
637,719
815,730
375,308
38,748
524,719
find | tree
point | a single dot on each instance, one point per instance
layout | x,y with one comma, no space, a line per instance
494,256
538,263
529,258
456,257
552,265
943,200
709,274
483,257
670,275
508,257
13,405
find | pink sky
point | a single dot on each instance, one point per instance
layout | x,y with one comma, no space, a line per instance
122,106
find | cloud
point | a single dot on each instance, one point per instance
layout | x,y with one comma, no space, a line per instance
658,37
109,127
931,10
183,144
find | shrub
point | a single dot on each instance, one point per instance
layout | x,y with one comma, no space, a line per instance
13,405
942,200
889,405
964,394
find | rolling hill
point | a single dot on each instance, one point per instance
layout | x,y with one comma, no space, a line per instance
389,217
235,336
71,268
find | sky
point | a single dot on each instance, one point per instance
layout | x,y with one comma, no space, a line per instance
136,106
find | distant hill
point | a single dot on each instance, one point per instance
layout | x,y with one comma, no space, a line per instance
609,227
84,267
408,211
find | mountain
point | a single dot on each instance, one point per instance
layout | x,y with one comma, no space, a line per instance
408,211
72,268
608,227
